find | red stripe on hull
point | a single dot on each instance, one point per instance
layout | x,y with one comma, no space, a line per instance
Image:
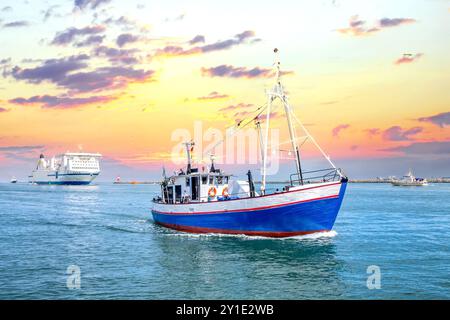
248,209
271,234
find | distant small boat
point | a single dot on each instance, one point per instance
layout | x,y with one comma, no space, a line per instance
409,180
13,180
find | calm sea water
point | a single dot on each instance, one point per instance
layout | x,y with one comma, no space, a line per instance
106,230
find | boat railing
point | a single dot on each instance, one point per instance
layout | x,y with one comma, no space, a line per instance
315,176
309,177
240,195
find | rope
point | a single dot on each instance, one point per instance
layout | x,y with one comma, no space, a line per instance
238,127
316,144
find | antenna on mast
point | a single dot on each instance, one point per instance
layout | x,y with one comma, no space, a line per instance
277,64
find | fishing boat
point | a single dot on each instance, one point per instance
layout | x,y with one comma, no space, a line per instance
13,180
212,201
409,180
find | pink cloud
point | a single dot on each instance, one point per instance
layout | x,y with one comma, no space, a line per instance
213,96
408,58
397,133
339,128
357,27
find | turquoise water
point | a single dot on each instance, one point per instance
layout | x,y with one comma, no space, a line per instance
106,230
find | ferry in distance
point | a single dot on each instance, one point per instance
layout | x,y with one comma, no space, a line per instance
70,168
212,201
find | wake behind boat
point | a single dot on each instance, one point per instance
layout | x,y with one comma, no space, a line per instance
212,201
70,168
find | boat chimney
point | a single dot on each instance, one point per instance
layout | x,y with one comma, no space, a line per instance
251,184
212,169
189,150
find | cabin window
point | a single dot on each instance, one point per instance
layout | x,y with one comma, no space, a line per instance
219,180
178,193
170,194
188,182
225,179
204,179
195,188
211,180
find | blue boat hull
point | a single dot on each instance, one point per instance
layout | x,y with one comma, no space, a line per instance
306,217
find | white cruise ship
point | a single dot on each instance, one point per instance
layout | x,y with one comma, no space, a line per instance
77,168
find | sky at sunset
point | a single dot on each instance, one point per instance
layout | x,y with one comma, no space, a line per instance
370,79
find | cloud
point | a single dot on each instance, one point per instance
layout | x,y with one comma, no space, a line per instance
396,133
48,101
408,58
237,106
105,78
90,4
122,21
62,73
338,129
53,70
126,38
50,12
114,55
357,27
262,117
21,148
6,9
24,153
213,96
67,36
2,110
197,39
16,24
239,72
373,131
329,102
387,23
424,148
91,40
240,38
441,119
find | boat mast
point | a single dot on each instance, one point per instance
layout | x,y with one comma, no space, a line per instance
278,92
260,137
288,111
266,142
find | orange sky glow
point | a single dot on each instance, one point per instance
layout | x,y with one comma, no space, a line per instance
370,80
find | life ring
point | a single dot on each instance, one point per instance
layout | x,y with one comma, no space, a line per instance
225,192
212,192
